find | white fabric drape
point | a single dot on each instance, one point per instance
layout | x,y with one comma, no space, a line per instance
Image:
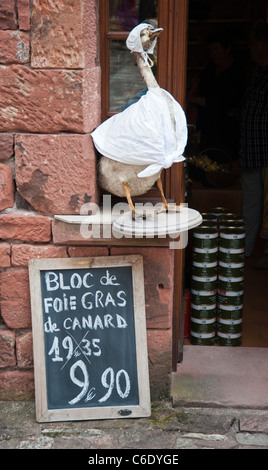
143,134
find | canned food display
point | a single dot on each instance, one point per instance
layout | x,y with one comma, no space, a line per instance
204,312
229,284
230,297
199,325
231,224
229,326
204,283
204,297
218,211
209,223
204,269
203,339
218,253
228,255
225,339
205,255
230,217
229,312
231,269
207,216
205,237
232,238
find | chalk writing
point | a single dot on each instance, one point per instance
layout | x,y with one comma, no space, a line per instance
89,337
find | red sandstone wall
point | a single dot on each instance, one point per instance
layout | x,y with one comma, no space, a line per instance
50,102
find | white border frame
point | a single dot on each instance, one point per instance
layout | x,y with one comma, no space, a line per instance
43,414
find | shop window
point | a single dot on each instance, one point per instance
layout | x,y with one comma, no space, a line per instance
121,81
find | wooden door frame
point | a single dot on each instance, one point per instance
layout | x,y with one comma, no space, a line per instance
172,55
173,15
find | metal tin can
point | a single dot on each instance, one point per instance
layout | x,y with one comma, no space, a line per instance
204,311
204,297
228,255
204,269
231,269
205,255
229,326
205,237
227,217
231,224
203,325
209,223
204,283
230,297
203,339
230,283
218,211
232,238
225,339
230,312
207,216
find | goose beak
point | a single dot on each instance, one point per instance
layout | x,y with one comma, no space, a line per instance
154,33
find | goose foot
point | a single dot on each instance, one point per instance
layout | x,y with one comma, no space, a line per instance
167,208
135,214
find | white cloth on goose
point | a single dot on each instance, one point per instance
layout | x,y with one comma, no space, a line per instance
143,134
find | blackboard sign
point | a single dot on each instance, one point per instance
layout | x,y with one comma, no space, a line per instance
89,338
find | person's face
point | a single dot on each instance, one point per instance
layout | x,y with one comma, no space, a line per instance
218,53
258,50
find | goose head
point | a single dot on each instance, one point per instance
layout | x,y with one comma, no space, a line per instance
148,37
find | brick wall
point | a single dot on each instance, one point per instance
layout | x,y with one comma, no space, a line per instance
50,102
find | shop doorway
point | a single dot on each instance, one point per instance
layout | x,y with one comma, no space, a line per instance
231,22
181,56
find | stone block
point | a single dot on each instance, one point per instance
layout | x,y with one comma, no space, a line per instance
6,146
8,17
24,350
29,228
17,385
7,348
160,362
48,101
14,284
16,313
87,251
158,278
64,34
4,255
14,47
56,174
24,14
21,254
7,187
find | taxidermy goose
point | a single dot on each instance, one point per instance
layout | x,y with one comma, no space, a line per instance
136,144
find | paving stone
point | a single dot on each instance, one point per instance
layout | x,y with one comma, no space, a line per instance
206,437
254,439
42,442
19,430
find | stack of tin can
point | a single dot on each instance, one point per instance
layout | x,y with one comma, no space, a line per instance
218,279
230,284
204,285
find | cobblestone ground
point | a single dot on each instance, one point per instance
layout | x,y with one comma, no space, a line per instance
167,428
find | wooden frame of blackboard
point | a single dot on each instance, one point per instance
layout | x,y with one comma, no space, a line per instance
43,413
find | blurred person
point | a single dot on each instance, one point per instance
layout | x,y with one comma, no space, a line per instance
218,97
253,154
127,14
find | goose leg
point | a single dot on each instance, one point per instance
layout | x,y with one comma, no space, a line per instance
163,198
130,203
128,196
